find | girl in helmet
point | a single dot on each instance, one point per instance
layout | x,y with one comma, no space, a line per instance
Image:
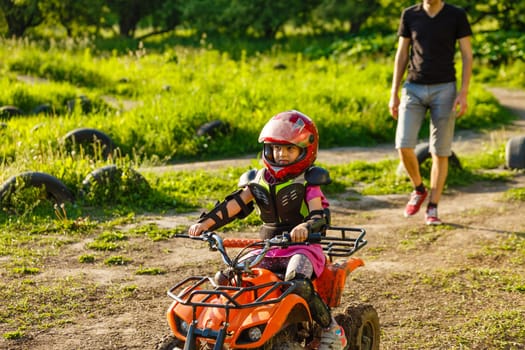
288,198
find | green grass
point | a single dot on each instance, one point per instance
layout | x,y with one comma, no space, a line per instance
515,194
150,271
33,304
117,260
150,103
184,191
345,98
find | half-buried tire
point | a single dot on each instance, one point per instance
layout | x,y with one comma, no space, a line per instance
54,188
107,177
213,128
93,141
515,153
6,112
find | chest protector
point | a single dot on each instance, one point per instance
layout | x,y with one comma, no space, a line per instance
282,206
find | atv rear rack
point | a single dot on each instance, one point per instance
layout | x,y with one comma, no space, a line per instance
338,244
342,245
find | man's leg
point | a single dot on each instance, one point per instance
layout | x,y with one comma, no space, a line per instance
440,144
409,159
412,111
438,177
417,197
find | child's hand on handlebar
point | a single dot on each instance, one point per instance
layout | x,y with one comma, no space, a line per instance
196,229
299,233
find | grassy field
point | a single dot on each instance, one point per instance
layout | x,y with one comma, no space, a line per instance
151,105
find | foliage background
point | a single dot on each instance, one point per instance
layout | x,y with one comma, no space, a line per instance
143,75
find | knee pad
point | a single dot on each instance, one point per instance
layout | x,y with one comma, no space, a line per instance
319,310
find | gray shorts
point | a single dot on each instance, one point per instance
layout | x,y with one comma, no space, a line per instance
416,100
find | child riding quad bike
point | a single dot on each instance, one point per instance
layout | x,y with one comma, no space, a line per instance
255,308
273,293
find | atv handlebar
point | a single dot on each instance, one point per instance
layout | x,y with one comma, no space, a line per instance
340,245
216,242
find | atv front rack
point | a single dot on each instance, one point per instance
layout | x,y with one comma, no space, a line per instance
190,292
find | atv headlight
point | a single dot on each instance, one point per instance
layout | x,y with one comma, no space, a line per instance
182,326
251,335
254,334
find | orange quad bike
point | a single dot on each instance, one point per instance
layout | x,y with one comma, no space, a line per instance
255,308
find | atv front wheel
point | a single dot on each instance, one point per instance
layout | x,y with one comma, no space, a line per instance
169,342
361,326
286,339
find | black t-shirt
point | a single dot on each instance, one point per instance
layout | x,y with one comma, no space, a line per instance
433,42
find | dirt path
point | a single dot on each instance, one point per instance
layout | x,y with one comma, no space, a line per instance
400,256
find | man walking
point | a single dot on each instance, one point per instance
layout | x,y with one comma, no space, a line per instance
428,33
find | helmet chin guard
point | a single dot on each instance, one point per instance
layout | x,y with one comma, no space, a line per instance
295,128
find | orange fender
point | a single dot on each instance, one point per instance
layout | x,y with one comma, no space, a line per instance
273,316
331,284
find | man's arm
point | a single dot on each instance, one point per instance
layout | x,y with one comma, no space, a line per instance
460,104
400,65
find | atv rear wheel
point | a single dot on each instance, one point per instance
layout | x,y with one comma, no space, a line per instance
361,325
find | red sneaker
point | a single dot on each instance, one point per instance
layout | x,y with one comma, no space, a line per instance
431,217
413,205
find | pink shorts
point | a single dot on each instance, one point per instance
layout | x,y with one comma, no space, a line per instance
314,252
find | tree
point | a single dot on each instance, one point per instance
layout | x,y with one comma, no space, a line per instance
21,15
356,12
508,15
76,16
262,18
130,12
164,18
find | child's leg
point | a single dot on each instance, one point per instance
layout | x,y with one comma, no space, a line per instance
300,270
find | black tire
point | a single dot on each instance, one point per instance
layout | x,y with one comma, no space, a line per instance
515,153
285,339
89,137
169,342
6,112
361,326
55,189
84,102
110,174
213,128
43,109
423,153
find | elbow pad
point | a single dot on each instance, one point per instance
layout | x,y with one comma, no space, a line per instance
318,225
222,208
